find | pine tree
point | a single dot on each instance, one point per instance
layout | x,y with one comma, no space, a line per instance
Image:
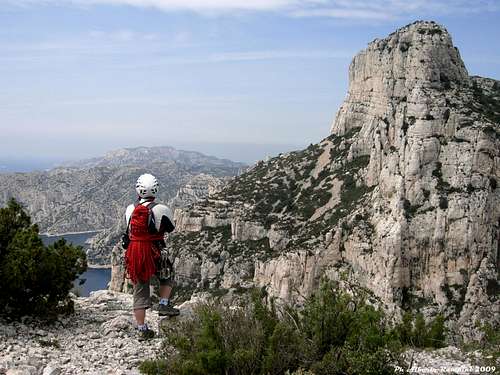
36,279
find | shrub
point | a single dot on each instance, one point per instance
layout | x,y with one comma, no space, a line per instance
35,278
414,331
443,203
347,333
334,333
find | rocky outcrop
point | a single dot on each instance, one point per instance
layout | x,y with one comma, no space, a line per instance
401,197
432,136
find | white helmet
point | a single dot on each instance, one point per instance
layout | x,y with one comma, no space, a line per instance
146,186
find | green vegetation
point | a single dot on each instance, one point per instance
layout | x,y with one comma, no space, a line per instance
350,193
415,332
488,103
490,342
410,210
334,333
52,343
456,295
443,203
493,183
488,345
223,232
36,279
430,31
404,46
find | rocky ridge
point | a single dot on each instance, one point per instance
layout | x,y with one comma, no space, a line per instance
92,194
400,198
147,155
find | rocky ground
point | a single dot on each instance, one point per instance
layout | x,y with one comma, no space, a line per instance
100,339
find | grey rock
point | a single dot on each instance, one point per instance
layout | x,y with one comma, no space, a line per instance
51,370
22,370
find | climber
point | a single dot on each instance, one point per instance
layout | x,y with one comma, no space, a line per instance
146,257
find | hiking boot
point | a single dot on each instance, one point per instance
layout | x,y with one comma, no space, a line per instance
145,334
167,310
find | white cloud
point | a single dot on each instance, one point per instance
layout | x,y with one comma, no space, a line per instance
170,5
342,9
380,10
123,35
343,13
277,54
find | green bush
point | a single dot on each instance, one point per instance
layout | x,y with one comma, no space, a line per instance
35,278
414,331
334,333
348,334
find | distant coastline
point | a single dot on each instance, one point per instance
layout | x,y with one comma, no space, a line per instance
82,239
99,266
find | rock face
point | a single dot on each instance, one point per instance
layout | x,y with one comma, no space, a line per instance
432,136
401,197
91,195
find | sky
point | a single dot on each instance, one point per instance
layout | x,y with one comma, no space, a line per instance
233,78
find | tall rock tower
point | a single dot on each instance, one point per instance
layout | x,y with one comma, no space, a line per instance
432,135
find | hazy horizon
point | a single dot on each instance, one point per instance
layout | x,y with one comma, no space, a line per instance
79,78
239,152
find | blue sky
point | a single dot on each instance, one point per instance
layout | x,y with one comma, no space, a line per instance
234,78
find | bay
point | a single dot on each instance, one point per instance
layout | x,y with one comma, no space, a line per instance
94,278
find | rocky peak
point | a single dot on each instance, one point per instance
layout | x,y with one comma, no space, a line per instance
398,68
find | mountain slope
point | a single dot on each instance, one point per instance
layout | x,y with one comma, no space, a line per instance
401,198
149,155
94,196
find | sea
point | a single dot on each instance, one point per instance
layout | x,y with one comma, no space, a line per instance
94,278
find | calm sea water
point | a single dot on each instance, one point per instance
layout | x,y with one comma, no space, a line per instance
94,278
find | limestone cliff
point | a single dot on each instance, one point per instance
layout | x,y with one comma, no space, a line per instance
401,197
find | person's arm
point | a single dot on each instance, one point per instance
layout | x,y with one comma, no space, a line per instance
128,214
164,219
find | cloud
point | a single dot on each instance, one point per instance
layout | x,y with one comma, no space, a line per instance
172,5
123,35
277,55
343,13
341,9
380,10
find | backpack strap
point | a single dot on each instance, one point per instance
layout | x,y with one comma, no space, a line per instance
151,218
